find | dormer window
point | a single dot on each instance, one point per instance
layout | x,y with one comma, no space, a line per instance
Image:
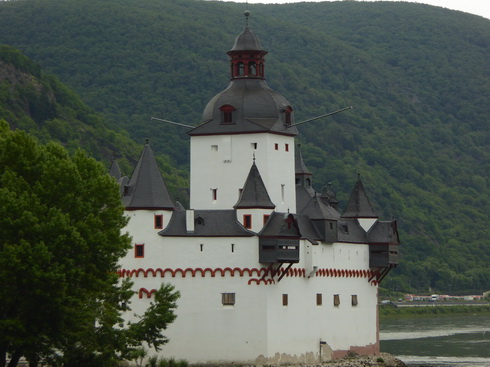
227,112
287,115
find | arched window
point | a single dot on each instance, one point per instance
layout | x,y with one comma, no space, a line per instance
252,68
227,112
241,68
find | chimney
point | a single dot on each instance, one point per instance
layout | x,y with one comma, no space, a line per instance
189,220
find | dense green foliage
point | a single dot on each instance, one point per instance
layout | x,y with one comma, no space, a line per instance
60,227
417,77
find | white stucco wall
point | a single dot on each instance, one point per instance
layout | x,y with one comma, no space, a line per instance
223,162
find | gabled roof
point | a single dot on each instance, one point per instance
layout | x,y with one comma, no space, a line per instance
254,193
290,225
146,188
315,209
384,232
349,230
207,223
359,205
303,196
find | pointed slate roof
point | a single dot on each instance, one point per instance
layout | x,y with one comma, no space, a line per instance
115,171
299,165
359,205
254,194
291,226
146,188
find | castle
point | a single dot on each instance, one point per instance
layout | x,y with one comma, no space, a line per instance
269,271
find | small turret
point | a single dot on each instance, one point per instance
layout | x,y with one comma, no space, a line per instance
359,206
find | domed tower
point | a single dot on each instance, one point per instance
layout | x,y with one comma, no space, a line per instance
246,119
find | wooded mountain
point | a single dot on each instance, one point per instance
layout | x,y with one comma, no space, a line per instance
417,76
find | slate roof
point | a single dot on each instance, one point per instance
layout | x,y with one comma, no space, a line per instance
299,165
316,209
254,193
383,232
359,205
146,188
349,230
329,197
303,196
277,226
207,223
247,41
257,109
115,171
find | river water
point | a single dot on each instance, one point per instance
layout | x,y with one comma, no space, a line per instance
453,341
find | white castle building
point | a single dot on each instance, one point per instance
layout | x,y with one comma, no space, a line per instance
269,271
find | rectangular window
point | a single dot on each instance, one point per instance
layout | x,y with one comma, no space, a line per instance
266,218
139,250
214,193
227,117
276,146
247,221
158,221
284,299
286,147
254,146
228,299
232,247
214,148
282,192
354,300
336,300
318,299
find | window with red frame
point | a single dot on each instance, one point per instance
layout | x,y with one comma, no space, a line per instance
266,218
286,147
247,221
139,250
158,221
276,146
227,114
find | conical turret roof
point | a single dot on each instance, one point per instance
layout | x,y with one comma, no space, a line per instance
254,194
146,188
359,205
115,171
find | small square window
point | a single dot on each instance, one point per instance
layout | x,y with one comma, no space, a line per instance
354,300
336,300
214,148
247,221
158,221
266,218
139,250
228,299
318,299
284,299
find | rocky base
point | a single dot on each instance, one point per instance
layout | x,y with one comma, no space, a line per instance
383,359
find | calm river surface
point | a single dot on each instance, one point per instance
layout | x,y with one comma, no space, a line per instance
454,341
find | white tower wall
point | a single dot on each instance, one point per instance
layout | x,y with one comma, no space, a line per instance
222,163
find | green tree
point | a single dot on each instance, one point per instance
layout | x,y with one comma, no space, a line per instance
60,227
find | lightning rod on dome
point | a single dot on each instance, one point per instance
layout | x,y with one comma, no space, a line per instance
172,122
319,117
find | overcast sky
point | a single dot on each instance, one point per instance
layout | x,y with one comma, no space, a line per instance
478,7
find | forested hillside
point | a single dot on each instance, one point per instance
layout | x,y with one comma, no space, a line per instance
417,77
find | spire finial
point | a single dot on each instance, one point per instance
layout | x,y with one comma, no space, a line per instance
247,14
147,141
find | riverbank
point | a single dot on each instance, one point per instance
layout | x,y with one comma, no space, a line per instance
432,310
